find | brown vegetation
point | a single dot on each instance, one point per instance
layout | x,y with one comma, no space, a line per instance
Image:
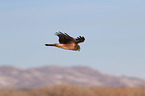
74,90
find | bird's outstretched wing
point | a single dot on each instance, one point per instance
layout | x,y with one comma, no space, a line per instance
80,39
65,38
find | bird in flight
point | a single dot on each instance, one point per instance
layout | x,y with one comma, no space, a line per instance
68,42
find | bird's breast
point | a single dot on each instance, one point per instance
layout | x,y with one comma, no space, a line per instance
66,46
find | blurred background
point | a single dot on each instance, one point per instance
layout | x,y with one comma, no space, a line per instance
114,32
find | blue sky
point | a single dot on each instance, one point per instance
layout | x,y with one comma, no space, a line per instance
114,32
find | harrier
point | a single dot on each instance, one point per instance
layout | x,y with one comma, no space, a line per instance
68,42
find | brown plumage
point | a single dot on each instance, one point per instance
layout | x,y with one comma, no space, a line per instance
68,42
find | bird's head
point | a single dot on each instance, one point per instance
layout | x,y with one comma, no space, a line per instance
77,48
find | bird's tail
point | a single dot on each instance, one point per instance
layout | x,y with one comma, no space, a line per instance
50,44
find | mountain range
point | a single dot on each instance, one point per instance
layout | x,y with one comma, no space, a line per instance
15,77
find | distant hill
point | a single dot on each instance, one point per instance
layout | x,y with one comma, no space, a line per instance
14,77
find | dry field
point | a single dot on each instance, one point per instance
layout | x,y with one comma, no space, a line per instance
74,90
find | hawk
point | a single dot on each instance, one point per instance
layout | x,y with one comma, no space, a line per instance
68,42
